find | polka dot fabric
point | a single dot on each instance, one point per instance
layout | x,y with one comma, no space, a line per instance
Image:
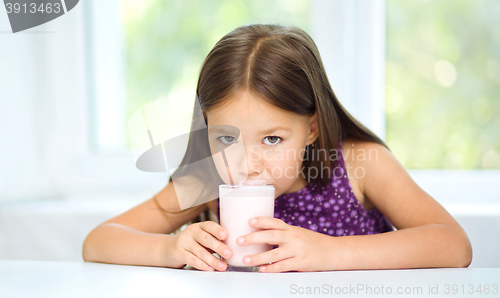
332,209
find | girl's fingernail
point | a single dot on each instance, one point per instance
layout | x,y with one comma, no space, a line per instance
221,265
253,221
247,260
262,268
222,233
227,252
241,240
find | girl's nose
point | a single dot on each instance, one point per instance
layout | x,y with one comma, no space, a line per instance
254,165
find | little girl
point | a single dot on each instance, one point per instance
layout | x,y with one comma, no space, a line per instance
348,204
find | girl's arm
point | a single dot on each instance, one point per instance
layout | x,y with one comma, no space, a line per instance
140,235
427,235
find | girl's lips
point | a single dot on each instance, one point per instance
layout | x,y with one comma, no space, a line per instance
254,182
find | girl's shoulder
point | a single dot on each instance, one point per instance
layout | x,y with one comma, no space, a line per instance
357,154
392,190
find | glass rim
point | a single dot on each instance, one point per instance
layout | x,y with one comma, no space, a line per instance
239,186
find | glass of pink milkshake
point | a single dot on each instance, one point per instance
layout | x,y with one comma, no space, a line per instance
239,203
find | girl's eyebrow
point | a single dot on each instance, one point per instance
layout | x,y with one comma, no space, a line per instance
224,130
273,129
266,131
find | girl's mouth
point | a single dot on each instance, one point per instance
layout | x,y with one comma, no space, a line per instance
254,182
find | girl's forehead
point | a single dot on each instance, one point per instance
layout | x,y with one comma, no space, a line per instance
247,108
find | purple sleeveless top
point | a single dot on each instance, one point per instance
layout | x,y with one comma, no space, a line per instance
332,210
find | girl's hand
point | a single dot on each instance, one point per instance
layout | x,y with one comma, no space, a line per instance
194,246
299,249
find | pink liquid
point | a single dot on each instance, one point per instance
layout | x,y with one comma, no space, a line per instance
236,208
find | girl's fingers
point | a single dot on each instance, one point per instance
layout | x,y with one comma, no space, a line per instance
202,253
274,237
268,257
268,223
280,266
193,261
213,228
207,239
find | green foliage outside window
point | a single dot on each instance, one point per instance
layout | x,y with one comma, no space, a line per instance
443,83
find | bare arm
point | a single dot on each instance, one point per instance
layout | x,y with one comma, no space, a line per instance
140,235
427,236
427,246
119,244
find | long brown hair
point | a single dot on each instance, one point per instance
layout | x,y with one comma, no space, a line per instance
281,65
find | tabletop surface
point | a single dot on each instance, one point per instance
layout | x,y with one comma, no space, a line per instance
86,279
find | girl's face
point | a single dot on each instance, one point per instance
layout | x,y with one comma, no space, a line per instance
260,142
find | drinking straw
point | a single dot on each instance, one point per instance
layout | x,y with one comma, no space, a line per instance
227,168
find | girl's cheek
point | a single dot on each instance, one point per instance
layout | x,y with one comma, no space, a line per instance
284,172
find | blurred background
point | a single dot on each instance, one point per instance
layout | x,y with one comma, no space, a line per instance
423,75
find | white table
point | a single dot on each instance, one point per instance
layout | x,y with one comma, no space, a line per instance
80,279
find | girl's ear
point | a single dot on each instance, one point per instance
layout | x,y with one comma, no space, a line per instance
313,129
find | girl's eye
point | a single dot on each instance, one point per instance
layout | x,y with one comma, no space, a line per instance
272,140
227,140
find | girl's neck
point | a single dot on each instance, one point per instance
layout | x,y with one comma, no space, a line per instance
299,184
